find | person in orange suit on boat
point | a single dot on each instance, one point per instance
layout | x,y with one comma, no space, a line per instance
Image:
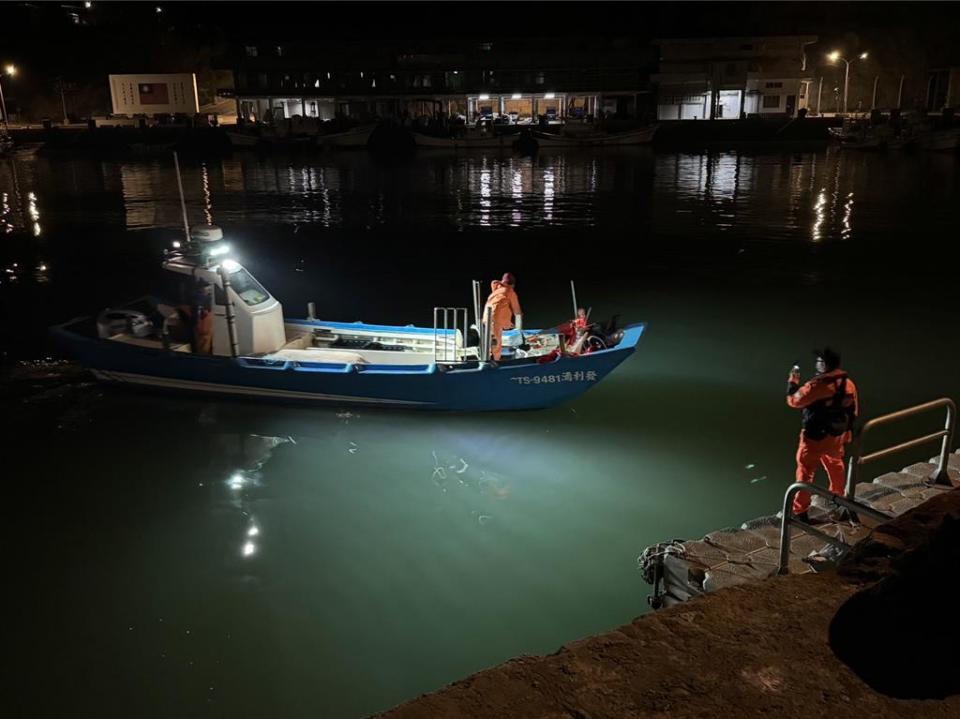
580,323
830,405
503,304
197,320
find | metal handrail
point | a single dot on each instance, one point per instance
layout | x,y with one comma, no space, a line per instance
443,350
788,520
939,476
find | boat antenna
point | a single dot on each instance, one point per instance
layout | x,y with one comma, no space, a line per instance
573,291
183,202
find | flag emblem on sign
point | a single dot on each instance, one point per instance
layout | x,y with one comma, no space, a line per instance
154,93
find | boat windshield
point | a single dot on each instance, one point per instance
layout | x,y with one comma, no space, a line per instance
249,290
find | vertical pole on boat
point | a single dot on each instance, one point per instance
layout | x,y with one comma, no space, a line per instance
573,291
476,303
231,319
436,310
476,316
183,202
487,334
311,311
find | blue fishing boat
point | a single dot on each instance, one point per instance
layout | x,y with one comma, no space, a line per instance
248,348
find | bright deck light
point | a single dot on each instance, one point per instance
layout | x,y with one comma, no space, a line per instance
218,250
231,265
549,96
516,96
484,97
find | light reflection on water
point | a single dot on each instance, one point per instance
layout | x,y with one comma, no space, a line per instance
788,197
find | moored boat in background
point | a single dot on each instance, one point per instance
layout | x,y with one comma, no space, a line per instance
642,136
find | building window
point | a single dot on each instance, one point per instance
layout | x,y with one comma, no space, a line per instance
540,78
746,47
261,79
279,50
771,102
251,50
731,68
486,46
774,84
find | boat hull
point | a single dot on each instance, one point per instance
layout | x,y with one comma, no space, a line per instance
636,137
484,387
496,142
351,139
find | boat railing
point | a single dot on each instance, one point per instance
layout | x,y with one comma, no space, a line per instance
447,322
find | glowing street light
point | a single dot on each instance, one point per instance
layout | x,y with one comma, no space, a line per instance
833,57
10,70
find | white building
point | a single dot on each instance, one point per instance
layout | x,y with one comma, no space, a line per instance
154,94
728,78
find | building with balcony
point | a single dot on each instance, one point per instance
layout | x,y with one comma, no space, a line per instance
732,77
512,79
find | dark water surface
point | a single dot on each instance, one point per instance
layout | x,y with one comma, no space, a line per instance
190,557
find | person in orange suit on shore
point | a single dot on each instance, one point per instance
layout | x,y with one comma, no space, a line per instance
504,305
830,405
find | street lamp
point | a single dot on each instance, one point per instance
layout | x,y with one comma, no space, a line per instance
10,70
833,57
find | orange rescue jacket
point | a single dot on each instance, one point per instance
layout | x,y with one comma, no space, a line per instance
504,303
824,388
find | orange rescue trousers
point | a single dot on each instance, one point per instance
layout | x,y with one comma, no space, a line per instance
810,454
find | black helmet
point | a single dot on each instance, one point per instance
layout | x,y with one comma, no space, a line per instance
830,357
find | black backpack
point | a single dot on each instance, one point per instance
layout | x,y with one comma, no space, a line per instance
842,411
834,416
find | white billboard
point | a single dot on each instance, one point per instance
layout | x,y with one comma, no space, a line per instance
157,94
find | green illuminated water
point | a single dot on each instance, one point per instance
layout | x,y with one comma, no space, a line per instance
198,557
